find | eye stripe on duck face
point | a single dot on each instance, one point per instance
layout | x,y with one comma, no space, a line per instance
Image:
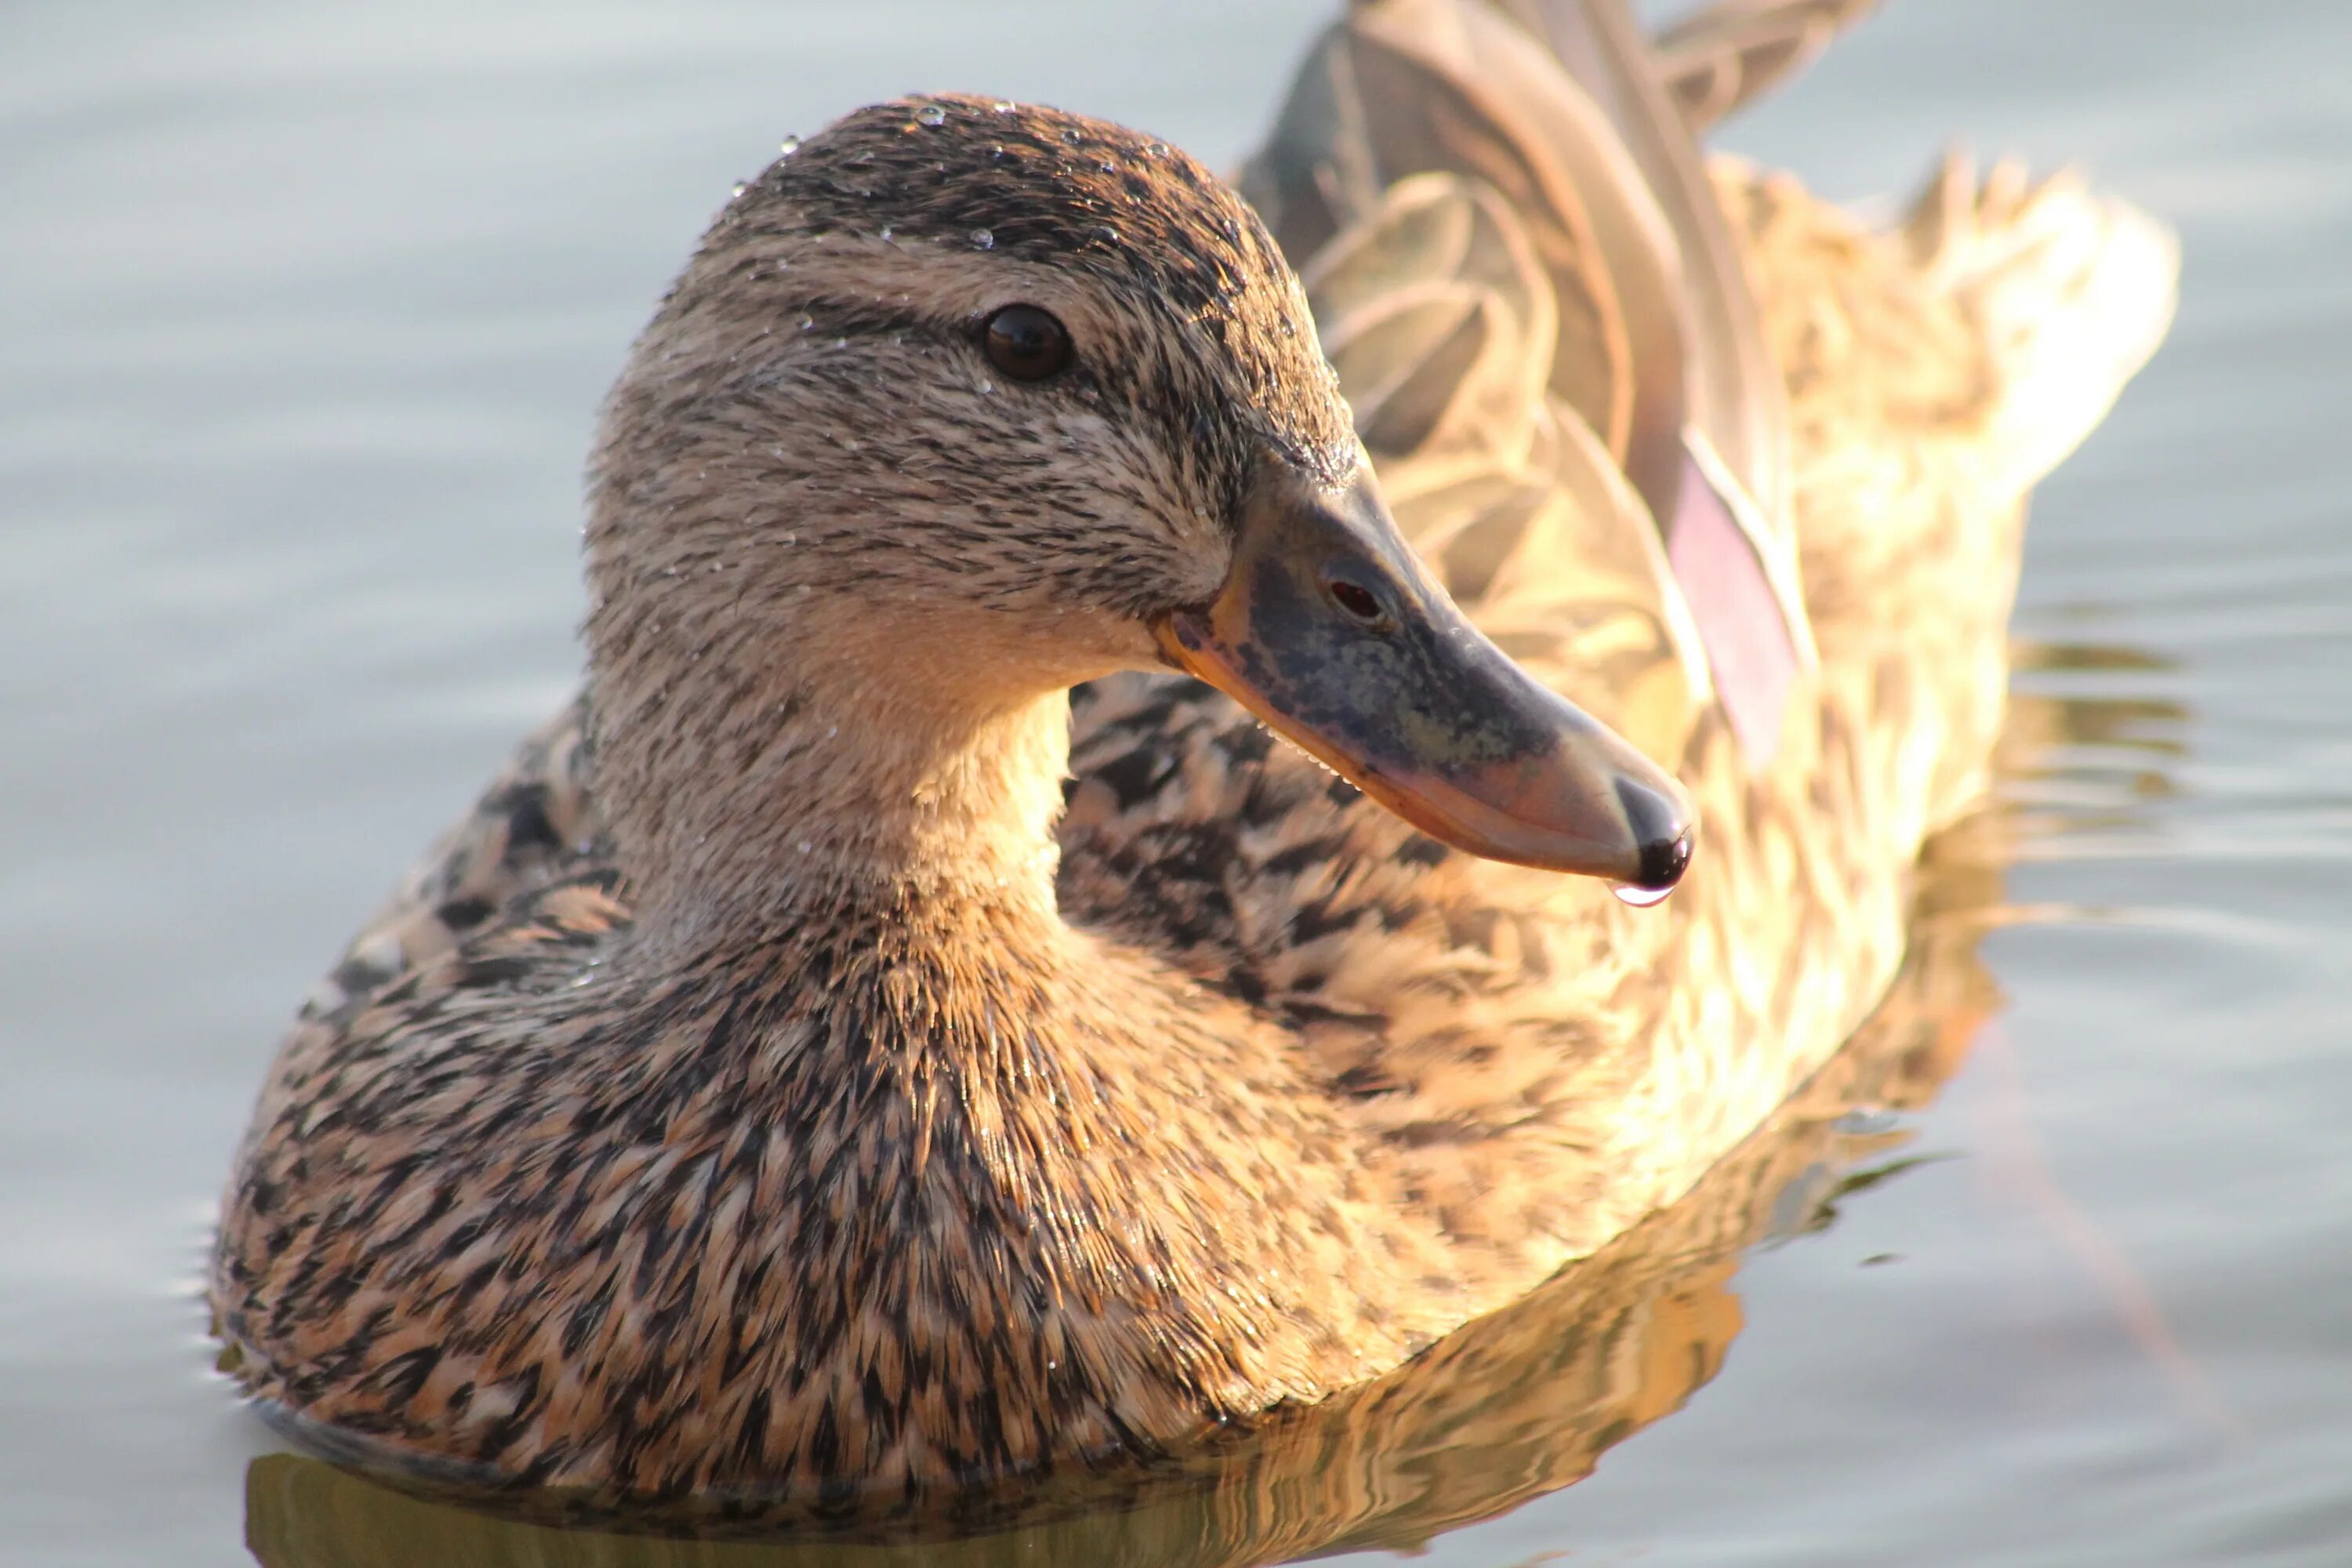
1117,439
864,320
1239,344
1123,365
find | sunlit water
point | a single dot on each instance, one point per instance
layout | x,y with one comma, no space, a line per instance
304,313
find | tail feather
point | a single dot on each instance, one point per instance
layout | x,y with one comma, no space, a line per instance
2073,292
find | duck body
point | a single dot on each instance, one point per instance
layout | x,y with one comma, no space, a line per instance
834,1059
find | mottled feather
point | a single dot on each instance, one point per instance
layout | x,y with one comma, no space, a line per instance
648,1142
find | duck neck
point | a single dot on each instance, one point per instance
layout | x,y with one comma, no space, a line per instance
850,785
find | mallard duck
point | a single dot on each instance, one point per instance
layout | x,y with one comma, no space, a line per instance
908,1023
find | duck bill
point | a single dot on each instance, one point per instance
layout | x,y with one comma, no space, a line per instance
1329,628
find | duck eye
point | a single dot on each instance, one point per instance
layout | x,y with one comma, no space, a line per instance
1025,343
1359,604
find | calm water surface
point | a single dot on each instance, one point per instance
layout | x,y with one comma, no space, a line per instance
305,311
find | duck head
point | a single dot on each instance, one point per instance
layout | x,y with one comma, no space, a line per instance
962,402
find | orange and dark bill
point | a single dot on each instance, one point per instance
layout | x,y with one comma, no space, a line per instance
1329,630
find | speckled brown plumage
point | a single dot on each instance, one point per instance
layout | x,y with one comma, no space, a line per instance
1516,1404
834,1061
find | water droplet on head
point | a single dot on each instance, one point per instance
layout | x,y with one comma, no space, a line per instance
931,114
1158,149
1640,898
886,234
1106,234
741,186
807,322
791,145
1004,106
982,239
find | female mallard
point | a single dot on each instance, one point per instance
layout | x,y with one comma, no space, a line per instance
833,1058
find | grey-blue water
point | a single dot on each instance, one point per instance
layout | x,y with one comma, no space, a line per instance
304,312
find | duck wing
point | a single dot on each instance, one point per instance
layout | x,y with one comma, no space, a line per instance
1513,252
1719,60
